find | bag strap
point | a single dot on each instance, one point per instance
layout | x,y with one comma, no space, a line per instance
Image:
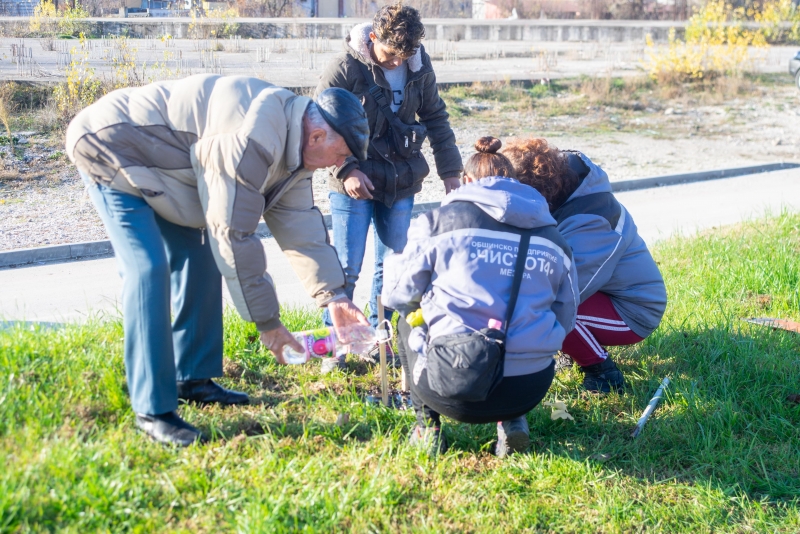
519,270
377,92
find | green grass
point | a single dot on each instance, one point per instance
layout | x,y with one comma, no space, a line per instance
721,454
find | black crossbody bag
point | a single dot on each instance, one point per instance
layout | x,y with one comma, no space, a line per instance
469,367
406,139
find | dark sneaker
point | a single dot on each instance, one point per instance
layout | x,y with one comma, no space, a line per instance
168,428
373,355
512,436
603,377
331,364
429,438
207,391
563,362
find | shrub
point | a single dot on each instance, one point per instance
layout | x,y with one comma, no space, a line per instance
717,41
81,87
48,21
781,20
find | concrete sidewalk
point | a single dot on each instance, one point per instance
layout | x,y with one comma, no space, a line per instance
71,291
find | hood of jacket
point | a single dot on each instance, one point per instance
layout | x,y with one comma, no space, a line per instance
505,200
359,40
596,181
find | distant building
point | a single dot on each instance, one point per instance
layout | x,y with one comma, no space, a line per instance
17,8
165,4
583,9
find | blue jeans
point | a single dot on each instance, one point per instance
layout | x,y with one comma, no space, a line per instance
162,263
351,220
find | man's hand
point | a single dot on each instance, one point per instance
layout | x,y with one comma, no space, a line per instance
344,313
276,339
358,186
451,184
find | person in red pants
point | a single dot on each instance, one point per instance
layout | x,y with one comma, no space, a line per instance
622,293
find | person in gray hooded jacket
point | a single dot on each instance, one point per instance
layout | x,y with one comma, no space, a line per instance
458,267
622,292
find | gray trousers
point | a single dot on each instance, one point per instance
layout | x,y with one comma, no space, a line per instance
164,267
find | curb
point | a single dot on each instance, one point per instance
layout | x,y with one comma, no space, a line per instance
75,251
702,176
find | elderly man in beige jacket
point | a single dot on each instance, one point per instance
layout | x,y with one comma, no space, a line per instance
181,172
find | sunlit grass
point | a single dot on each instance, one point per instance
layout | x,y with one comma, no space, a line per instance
721,454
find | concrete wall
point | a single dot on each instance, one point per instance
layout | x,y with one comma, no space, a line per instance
334,28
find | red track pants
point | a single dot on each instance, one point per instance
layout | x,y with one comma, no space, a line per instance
598,325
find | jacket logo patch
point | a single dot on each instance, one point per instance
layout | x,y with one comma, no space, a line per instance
538,261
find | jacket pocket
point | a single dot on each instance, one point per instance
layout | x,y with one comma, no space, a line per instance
175,201
381,173
411,172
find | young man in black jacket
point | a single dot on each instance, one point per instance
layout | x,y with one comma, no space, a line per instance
385,65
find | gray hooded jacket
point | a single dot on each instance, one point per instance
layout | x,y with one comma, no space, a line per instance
609,253
458,266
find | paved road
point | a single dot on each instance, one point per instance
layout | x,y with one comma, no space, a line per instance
72,291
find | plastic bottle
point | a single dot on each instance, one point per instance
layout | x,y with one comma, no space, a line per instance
324,343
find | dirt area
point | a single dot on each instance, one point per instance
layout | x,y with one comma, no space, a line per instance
632,128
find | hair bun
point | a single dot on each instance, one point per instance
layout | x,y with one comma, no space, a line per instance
488,145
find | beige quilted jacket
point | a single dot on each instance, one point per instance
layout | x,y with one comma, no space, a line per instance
219,153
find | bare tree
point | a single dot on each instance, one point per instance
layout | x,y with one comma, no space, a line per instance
266,8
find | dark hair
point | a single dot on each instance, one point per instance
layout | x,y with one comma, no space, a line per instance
487,162
399,27
543,167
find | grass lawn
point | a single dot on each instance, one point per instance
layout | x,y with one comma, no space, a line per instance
722,452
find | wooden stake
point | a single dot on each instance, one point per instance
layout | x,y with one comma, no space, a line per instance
382,350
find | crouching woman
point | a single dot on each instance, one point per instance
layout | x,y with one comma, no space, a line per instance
485,351
622,293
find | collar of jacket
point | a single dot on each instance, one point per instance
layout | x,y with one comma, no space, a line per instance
358,45
293,153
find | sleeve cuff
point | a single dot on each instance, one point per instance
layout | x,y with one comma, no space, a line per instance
270,324
453,174
349,165
326,297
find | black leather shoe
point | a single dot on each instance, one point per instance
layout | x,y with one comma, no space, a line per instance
207,391
168,428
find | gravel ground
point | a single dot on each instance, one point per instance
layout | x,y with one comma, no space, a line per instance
42,201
